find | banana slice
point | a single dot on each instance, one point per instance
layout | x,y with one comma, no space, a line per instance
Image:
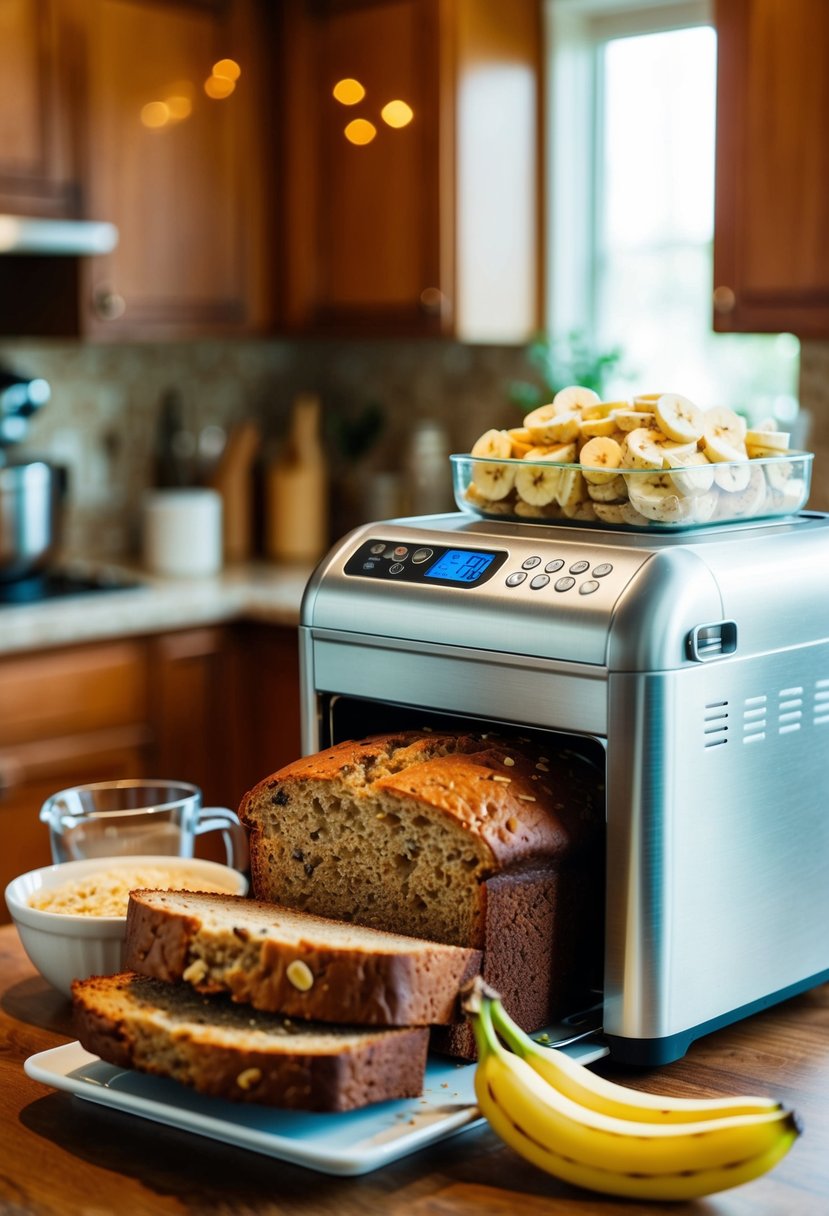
692,474
644,449
646,402
614,491
609,512
594,427
631,420
493,479
678,418
561,453
561,428
572,488
574,397
632,517
537,484
483,504
600,459
654,496
493,443
766,443
791,498
582,511
751,499
602,409
778,472
528,510
521,442
733,477
723,434
705,506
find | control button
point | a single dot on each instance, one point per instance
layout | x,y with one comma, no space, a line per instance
531,563
588,587
602,570
421,555
576,568
564,584
551,567
540,580
513,580
369,565
378,548
396,568
400,551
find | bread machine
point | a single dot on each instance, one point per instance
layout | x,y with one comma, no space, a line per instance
693,667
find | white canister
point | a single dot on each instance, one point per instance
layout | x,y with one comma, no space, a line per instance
183,532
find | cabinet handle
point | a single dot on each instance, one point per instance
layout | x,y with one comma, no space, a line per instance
108,305
724,299
431,300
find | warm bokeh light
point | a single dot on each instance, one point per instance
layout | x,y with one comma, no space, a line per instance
218,87
179,107
155,114
348,91
228,69
360,131
397,113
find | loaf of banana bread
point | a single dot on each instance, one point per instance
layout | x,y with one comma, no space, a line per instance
465,839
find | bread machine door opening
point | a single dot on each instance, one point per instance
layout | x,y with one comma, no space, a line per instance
582,889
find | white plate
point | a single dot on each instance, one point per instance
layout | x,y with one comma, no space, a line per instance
351,1143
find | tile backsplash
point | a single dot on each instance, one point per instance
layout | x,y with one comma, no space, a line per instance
102,418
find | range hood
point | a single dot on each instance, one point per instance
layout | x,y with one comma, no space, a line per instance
24,234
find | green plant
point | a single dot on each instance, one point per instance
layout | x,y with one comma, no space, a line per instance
559,361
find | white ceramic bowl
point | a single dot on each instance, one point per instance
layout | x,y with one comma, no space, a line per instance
64,946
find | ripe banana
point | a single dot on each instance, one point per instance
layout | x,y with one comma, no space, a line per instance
723,434
601,458
537,484
678,418
616,1155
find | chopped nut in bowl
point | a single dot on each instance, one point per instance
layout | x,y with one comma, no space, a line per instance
658,462
71,917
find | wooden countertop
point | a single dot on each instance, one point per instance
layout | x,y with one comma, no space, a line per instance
62,1155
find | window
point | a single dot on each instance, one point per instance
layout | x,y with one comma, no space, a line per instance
633,102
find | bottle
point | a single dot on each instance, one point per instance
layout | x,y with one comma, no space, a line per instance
233,478
173,450
296,489
427,471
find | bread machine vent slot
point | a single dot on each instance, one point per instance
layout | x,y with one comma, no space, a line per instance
754,719
716,724
821,714
789,710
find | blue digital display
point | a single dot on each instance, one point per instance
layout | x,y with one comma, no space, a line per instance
460,566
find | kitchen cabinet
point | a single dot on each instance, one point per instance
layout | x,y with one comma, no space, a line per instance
215,706
422,218
771,255
183,175
66,717
37,171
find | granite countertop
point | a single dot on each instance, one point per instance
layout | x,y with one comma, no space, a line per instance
259,591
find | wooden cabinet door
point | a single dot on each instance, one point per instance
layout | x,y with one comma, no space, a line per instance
433,226
179,172
265,700
771,252
362,220
35,103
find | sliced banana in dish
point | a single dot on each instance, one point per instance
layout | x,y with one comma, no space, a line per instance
601,459
647,449
723,434
655,496
560,428
572,488
537,483
493,443
733,477
752,498
692,474
614,491
678,418
631,420
574,397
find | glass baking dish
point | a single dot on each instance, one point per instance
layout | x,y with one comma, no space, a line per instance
693,495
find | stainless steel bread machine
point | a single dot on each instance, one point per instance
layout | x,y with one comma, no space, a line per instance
693,667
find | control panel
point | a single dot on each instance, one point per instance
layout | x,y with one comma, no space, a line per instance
442,565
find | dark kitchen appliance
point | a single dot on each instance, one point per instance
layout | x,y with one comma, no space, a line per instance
693,668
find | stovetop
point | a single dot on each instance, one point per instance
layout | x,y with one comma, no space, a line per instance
58,584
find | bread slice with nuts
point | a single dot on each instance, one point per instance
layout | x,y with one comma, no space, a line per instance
232,1051
291,962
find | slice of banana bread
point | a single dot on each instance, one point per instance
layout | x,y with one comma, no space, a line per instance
295,963
459,838
232,1051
